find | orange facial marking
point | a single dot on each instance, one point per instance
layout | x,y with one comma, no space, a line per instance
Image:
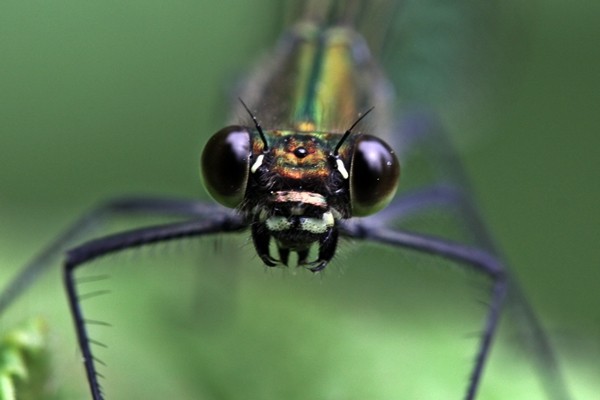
299,158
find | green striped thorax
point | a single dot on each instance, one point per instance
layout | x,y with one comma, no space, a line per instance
294,184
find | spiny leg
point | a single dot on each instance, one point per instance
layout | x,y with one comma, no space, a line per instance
91,220
423,200
480,261
126,240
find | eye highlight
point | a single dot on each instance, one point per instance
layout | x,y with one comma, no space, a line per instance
374,175
225,164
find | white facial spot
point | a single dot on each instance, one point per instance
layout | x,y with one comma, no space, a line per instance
258,163
316,225
341,168
278,224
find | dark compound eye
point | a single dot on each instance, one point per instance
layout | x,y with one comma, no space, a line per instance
374,175
225,163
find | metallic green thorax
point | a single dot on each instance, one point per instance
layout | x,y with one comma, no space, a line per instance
320,79
326,74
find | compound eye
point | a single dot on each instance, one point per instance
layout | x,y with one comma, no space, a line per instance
374,175
225,163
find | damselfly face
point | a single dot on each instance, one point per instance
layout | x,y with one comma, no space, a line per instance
293,186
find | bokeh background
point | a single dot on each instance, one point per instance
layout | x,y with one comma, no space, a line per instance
104,98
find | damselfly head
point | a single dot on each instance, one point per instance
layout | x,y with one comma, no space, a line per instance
294,185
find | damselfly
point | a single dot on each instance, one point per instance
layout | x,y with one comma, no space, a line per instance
299,164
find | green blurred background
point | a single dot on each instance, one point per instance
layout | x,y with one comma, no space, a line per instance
100,98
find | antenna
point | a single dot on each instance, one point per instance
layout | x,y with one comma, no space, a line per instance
347,133
259,128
